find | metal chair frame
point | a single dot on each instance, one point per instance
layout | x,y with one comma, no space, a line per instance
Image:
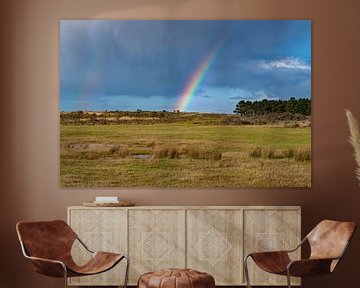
26,255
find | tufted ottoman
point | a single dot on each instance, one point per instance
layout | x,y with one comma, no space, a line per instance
176,278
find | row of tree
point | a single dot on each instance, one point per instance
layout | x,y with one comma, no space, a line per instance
295,106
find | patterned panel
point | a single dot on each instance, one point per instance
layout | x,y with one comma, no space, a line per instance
269,230
101,230
214,242
156,246
156,241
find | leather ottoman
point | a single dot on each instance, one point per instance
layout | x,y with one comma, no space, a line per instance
176,278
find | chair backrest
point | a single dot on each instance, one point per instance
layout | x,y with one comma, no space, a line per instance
329,239
46,239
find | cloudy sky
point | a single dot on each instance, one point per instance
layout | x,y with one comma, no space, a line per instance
205,66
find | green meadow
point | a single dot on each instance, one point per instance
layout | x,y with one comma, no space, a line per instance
185,154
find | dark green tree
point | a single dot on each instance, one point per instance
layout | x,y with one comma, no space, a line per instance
293,105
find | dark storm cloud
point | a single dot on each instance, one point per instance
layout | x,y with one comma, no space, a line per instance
142,59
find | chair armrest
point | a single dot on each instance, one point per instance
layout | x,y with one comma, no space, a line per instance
48,267
280,251
45,260
298,246
267,254
309,267
84,245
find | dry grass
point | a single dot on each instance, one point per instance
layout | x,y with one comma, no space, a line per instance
303,154
184,155
172,151
168,151
119,151
198,152
299,154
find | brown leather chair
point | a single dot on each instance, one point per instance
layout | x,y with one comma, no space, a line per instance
48,245
328,242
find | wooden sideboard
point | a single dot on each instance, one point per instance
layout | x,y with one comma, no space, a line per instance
212,239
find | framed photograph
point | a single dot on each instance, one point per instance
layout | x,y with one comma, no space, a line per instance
185,103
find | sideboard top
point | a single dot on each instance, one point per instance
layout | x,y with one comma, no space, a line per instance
192,207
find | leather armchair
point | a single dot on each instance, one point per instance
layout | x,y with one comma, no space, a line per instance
48,245
328,242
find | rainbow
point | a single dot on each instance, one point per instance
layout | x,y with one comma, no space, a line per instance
197,77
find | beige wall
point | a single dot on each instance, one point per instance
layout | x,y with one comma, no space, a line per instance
29,124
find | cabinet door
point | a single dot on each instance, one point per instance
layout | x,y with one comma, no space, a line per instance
269,230
214,244
101,230
156,240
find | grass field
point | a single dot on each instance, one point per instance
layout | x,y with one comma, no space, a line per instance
185,155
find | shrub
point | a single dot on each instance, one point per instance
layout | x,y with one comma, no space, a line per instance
289,153
119,151
151,144
256,153
91,155
216,155
197,152
173,153
168,151
303,155
269,153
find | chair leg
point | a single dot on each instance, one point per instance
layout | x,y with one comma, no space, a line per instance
246,270
288,278
127,271
65,276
